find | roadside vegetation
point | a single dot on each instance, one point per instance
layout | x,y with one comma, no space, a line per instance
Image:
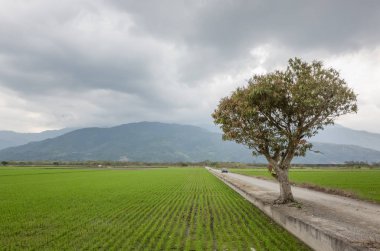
156,209
358,183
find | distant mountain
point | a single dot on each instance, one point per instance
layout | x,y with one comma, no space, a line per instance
9,138
210,127
338,153
338,134
159,142
145,141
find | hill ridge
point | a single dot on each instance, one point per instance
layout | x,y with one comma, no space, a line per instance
164,142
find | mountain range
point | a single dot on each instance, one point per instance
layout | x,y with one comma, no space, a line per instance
9,138
161,142
338,134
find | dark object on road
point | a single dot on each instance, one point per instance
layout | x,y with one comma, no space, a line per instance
224,170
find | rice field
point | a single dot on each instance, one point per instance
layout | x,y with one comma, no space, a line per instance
160,209
363,183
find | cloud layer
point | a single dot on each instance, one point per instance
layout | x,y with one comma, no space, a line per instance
85,63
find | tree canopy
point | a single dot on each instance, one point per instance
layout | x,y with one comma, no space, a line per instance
276,113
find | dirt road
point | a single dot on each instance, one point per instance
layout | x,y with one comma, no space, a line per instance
355,221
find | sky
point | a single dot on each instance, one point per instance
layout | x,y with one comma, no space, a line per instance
79,63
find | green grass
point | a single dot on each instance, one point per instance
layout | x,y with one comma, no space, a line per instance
364,184
161,209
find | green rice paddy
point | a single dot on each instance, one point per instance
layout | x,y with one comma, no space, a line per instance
152,209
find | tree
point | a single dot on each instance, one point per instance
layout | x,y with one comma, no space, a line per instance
4,163
277,112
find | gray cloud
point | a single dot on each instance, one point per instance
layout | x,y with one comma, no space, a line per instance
218,33
97,62
231,26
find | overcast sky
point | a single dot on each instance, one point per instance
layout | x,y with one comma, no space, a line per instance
77,63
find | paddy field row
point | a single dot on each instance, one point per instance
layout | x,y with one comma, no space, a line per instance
160,209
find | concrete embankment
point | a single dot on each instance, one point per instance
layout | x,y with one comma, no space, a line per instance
324,222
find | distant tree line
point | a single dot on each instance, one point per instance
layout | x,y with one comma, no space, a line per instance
215,164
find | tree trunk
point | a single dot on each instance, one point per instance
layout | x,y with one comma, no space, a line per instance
286,194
